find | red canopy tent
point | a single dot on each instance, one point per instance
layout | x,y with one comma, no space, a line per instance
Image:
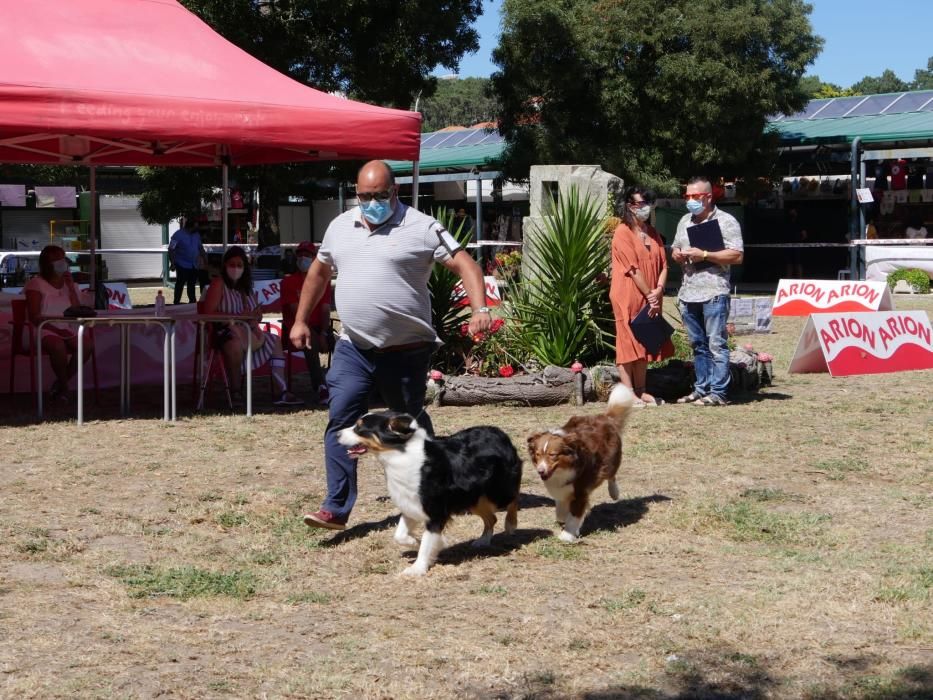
146,82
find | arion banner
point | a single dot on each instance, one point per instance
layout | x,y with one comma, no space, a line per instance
805,297
864,343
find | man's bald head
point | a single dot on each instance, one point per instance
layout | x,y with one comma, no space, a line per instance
375,176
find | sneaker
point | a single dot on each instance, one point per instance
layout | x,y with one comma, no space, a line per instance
711,400
692,397
288,399
326,520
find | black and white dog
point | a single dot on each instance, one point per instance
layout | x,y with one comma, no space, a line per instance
476,470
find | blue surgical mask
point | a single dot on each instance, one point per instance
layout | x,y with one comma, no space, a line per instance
60,266
377,212
694,206
304,264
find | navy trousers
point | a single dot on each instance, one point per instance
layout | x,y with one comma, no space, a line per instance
400,377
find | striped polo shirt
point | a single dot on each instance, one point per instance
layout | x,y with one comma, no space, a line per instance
381,292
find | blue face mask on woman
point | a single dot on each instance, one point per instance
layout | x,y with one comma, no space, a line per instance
376,212
304,264
694,206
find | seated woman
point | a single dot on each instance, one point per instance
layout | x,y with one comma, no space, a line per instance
322,339
48,294
232,293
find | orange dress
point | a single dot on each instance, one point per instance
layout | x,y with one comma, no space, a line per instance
629,253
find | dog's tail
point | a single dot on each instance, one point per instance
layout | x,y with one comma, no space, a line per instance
621,401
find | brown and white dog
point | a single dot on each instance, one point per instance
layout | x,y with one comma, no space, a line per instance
574,460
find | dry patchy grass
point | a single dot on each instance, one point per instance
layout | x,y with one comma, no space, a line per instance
781,547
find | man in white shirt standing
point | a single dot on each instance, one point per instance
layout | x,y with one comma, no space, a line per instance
704,293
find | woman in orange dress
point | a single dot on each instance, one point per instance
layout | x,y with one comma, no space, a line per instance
639,273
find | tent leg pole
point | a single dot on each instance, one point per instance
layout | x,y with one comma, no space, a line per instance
478,223
92,230
225,179
856,160
414,184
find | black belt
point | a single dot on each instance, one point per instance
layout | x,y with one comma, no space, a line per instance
400,348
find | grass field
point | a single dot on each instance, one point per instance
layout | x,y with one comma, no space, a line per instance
776,548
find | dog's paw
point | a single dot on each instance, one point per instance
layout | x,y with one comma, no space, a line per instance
567,537
406,540
415,570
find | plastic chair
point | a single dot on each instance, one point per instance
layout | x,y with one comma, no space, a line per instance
844,274
20,326
215,364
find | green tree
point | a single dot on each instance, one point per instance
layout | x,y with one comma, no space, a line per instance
651,91
378,52
923,79
461,101
886,82
816,89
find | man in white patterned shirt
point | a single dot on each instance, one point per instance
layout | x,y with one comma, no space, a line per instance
703,298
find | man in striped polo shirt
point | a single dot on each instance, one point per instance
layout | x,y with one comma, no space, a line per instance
383,252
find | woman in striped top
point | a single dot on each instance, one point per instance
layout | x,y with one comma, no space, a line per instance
232,293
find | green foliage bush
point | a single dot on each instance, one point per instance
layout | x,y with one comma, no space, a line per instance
447,314
559,311
917,279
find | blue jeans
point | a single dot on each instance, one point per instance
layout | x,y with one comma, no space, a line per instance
705,322
400,377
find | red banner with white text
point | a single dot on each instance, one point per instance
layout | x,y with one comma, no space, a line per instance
864,343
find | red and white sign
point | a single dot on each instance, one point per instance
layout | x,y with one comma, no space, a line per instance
864,343
493,298
267,292
805,297
118,296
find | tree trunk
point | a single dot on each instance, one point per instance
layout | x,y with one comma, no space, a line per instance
555,385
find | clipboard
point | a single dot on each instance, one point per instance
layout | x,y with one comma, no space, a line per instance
705,236
651,332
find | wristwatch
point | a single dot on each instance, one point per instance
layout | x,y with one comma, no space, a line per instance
705,254
481,310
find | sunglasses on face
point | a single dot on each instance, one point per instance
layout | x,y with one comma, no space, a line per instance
367,197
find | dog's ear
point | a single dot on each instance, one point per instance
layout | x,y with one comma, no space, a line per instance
573,447
401,424
532,443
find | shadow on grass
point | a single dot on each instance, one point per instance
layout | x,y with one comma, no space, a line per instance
759,396
724,673
501,545
361,530
612,516
525,501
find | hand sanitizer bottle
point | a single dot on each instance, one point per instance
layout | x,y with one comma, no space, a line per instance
160,304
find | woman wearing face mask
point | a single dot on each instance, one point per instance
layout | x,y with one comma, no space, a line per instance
48,294
232,293
322,340
639,273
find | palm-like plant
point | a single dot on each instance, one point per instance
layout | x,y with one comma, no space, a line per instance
447,312
559,306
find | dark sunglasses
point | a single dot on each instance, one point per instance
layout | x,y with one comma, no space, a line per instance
367,197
